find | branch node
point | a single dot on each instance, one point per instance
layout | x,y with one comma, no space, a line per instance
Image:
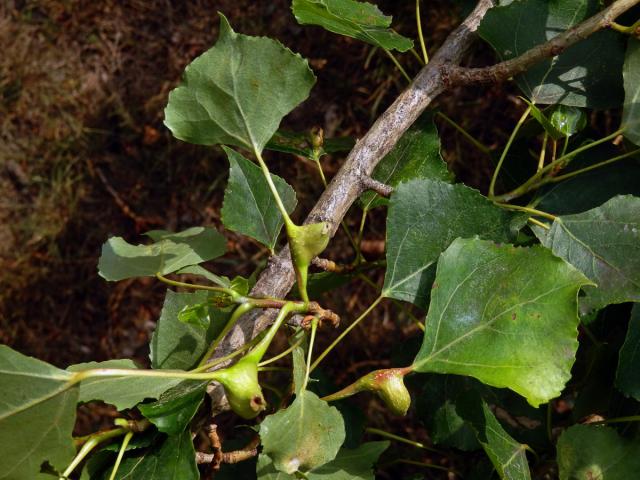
380,188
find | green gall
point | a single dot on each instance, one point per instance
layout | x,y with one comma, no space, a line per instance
240,382
389,386
306,242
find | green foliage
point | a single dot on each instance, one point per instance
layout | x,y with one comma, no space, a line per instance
301,144
585,75
416,155
237,92
627,379
631,74
589,452
169,253
176,407
507,455
37,414
360,20
446,212
117,390
504,315
249,208
303,436
349,464
604,243
179,345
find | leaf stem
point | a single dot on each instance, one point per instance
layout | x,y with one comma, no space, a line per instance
345,333
630,30
543,152
217,361
235,296
258,352
391,436
123,448
314,327
418,464
559,178
529,210
470,138
272,187
632,418
539,223
397,64
282,354
423,45
492,185
237,313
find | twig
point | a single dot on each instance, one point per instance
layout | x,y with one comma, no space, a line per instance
380,188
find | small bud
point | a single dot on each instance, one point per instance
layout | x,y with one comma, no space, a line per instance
240,382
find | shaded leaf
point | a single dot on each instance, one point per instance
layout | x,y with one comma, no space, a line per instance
627,378
425,216
584,75
123,392
604,243
169,253
596,453
349,464
175,408
504,315
416,155
178,345
360,20
238,91
568,120
507,455
37,415
304,436
172,458
249,207
631,74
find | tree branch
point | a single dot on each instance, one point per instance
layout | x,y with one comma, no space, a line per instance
457,75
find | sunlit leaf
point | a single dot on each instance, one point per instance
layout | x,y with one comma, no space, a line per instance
360,20
504,315
238,91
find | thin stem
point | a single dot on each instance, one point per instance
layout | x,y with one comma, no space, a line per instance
382,433
272,187
492,185
345,333
423,45
314,327
419,464
565,145
123,448
474,141
417,55
397,64
543,152
283,354
258,352
539,223
217,361
174,283
630,30
237,313
530,210
559,178
632,418
90,444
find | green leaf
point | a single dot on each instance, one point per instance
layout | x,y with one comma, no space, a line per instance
172,458
604,243
349,464
123,392
542,119
416,155
178,345
196,315
219,280
299,143
37,415
169,253
425,216
568,120
175,408
504,315
631,75
304,436
507,455
593,453
627,378
249,207
360,20
238,91
584,75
